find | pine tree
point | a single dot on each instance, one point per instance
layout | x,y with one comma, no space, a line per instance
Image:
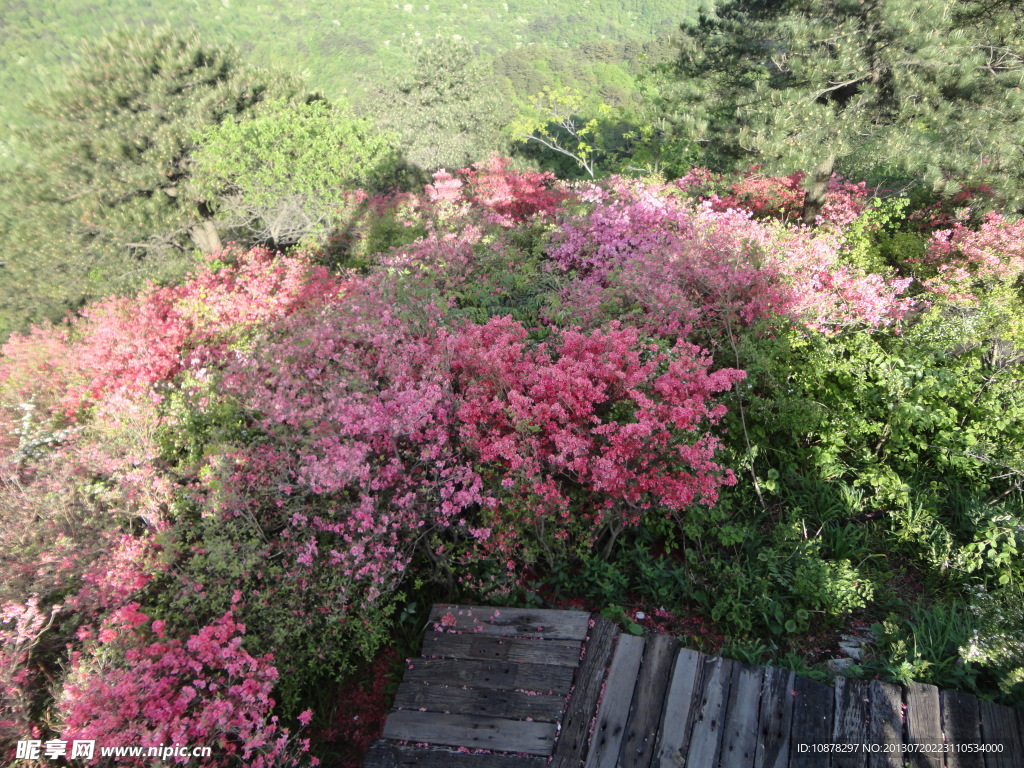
446,109
290,172
101,208
894,91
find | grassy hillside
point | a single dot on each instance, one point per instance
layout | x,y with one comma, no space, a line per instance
338,47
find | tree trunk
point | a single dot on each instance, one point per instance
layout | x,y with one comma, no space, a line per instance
817,189
206,237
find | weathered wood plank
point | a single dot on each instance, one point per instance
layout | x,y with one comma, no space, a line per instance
518,622
886,729
572,740
384,754
739,737
775,718
474,732
614,709
999,726
511,705
924,726
961,725
559,653
813,709
505,676
648,704
706,735
674,738
853,708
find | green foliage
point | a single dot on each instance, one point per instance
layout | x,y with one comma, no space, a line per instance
865,444
660,145
784,586
343,53
892,90
888,411
296,616
444,108
874,243
996,642
553,122
103,206
926,646
619,616
188,433
389,228
509,278
290,172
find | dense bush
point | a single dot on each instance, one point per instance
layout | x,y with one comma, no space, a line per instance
126,689
608,392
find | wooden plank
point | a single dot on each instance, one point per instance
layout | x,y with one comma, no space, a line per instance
575,733
674,738
924,726
775,718
739,737
853,708
614,708
649,703
503,676
558,653
384,754
886,729
518,622
999,726
511,705
813,708
961,725
474,732
706,735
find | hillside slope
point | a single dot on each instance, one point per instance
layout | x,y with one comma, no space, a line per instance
336,47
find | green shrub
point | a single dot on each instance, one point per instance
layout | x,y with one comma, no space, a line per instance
924,645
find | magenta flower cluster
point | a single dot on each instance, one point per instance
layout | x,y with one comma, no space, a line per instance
206,691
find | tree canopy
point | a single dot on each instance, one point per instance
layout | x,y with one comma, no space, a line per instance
888,90
290,171
446,109
102,206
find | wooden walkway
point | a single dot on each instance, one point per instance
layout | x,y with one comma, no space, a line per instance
513,688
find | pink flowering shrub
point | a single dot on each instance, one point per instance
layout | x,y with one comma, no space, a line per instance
366,405
21,627
85,485
127,566
670,266
63,513
126,345
447,260
775,197
205,691
349,466
488,194
585,434
968,262
508,197
512,197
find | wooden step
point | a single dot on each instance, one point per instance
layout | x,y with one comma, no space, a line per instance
558,653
